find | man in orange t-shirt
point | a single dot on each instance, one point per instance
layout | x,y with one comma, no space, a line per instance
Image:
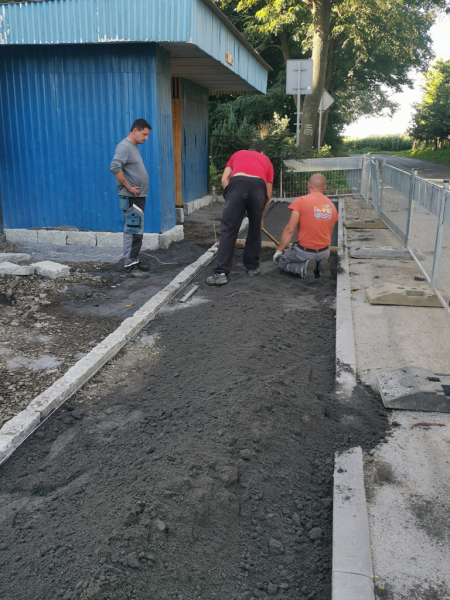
314,217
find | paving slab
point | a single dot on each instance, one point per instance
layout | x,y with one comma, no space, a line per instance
9,268
408,476
379,252
14,257
414,388
398,295
53,270
365,224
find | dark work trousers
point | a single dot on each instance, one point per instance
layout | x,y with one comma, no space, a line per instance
132,242
242,194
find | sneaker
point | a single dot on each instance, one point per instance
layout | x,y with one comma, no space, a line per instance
253,272
135,272
142,267
217,279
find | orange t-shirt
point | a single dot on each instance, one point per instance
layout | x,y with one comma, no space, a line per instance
317,218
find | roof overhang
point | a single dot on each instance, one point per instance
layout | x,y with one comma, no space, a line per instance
190,62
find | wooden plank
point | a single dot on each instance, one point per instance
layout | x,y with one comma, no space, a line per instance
176,125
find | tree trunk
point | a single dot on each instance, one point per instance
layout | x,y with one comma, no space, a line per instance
284,45
321,19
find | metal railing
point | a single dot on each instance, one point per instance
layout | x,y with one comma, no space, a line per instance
343,176
418,212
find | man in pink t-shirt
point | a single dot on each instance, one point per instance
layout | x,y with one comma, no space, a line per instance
247,183
314,217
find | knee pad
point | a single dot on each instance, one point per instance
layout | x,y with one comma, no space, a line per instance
133,221
318,270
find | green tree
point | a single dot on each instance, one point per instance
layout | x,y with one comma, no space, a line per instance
362,51
431,120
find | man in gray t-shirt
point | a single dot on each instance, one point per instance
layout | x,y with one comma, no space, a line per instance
132,186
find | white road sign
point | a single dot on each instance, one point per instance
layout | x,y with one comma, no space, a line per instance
326,101
299,75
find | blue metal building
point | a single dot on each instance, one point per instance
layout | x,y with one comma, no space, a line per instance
74,74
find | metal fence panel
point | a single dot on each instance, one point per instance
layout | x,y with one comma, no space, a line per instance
422,238
338,182
374,186
325,164
443,272
365,179
395,199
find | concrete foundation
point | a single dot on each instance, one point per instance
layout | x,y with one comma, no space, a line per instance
21,235
414,388
397,295
82,238
58,238
176,234
179,215
190,207
151,241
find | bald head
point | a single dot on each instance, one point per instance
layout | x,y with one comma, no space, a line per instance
317,183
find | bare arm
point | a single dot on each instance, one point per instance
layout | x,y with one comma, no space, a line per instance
121,178
226,176
289,230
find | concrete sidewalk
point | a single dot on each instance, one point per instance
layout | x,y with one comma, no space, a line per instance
408,476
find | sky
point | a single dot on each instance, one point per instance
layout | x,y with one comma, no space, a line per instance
440,33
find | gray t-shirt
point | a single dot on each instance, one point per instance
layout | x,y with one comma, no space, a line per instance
128,159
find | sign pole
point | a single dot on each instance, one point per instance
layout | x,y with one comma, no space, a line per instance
320,127
299,69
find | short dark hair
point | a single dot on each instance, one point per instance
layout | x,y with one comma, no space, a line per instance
140,124
257,147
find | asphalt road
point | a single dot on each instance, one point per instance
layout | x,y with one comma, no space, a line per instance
434,172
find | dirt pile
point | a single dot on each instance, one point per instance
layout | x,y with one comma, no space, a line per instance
203,468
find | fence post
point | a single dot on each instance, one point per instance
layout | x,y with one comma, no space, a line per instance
381,187
412,188
438,248
281,182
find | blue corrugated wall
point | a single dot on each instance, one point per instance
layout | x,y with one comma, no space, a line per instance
194,140
63,109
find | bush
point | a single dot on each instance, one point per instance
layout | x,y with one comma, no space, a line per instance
230,136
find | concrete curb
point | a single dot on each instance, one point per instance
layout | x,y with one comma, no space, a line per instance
352,577
345,340
103,239
17,429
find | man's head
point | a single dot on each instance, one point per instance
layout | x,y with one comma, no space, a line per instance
257,148
139,131
317,183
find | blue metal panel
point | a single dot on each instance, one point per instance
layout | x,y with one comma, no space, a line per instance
62,112
194,140
211,35
91,21
107,21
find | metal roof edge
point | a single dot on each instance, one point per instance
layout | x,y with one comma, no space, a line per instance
229,25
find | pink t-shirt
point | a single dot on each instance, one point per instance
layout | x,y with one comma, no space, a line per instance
251,163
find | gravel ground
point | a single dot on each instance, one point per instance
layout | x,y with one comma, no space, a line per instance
47,324
198,464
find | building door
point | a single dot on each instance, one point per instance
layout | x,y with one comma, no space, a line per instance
176,126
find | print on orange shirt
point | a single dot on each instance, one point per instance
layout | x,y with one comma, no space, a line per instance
323,211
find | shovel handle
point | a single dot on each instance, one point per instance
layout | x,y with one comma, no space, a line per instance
270,236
